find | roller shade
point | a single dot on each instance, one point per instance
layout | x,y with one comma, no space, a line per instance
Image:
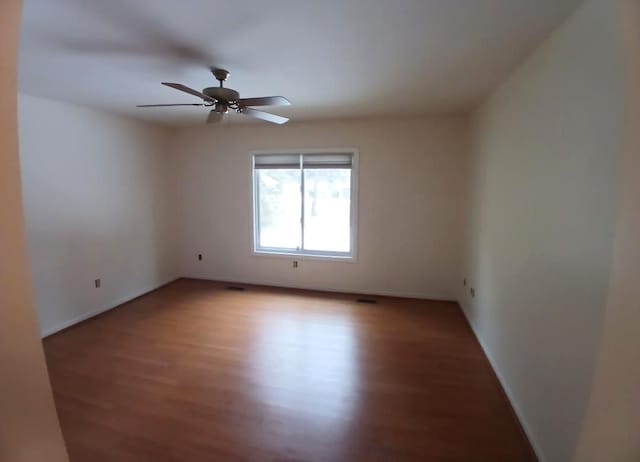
292,161
277,161
339,160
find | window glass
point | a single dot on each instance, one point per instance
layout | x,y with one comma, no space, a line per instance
327,211
279,205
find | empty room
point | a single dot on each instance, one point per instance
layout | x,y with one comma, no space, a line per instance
332,231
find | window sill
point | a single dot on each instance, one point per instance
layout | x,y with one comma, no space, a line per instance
304,256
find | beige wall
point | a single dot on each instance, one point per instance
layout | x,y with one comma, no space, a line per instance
611,430
411,176
546,173
97,205
29,430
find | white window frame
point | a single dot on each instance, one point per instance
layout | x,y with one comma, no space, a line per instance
307,254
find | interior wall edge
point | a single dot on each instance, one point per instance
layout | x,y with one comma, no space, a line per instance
29,426
609,430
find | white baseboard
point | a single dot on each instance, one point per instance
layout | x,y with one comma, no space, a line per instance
341,290
63,325
514,405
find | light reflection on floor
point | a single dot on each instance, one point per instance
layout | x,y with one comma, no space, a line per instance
305,368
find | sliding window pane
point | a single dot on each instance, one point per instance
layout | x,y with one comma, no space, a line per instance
327,209
279,208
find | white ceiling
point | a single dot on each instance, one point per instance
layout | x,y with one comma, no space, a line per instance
331,58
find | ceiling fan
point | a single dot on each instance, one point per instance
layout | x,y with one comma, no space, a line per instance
221,99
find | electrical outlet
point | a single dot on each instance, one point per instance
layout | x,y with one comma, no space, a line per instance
200,257
472,291
295,264
97,283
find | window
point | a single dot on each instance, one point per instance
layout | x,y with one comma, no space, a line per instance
304,204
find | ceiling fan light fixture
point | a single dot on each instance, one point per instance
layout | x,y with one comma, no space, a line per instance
221,108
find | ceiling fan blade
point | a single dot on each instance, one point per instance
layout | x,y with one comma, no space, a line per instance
276,119
214,117
265,101
168,105
191,91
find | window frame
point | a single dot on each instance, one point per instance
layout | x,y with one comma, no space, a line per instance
306,254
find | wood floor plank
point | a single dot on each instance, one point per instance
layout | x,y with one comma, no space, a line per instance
195,372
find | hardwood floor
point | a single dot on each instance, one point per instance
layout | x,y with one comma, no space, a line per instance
197,372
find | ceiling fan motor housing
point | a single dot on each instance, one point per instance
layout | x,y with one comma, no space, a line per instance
221,94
